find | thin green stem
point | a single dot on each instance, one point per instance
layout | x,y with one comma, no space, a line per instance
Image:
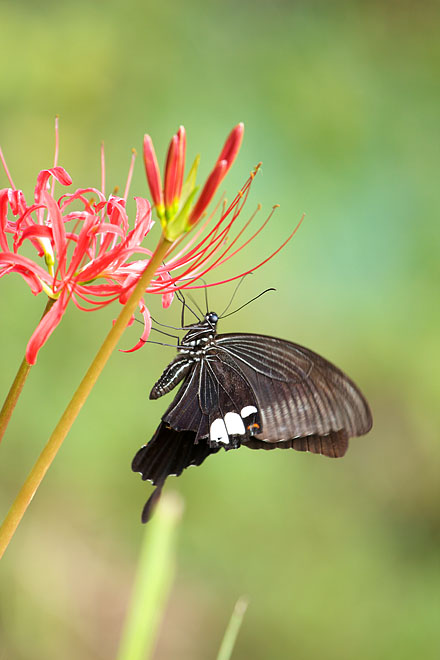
17,386
153,581
234,625
46,457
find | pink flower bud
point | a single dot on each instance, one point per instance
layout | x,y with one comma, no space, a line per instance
174,169
208,192
227,156
171,168
152,170
181,136
232,145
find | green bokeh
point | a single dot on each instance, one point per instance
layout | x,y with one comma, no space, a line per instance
340,559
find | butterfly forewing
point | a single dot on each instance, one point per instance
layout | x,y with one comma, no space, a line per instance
299,393
270,358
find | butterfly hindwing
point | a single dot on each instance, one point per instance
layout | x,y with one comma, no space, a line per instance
169,452
211,402
204,415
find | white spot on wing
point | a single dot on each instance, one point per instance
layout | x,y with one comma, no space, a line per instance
248,410
218,432
234,424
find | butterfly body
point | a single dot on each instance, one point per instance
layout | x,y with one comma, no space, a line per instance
252,390
192,349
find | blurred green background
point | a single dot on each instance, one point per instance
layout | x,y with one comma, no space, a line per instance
340,559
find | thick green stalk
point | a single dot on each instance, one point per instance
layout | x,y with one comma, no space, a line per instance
153,581
46,457
17,386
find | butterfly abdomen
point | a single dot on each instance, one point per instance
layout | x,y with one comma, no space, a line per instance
172,375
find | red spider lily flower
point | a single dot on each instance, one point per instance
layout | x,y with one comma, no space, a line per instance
174,203
85,247
81,243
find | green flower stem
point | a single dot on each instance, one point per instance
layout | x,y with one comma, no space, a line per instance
234,625
153,581
46,457
17,386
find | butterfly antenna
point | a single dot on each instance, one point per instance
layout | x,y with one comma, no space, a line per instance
247,303
181,298
193,300
163,325
162,332
150,341
233,295
206,293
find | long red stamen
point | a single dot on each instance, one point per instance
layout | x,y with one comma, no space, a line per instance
102,170
214,239
57,148
130,173
5,167
231,279
241,196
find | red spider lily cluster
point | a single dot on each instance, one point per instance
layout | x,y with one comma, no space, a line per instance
85,248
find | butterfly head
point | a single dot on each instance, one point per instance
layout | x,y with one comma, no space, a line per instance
212,319
200,333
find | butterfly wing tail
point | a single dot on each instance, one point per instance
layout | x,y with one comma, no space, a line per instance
168,453
151,504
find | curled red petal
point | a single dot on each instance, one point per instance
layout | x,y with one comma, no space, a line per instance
34,231
13,259
31,280
147,328
80,194
59,173
46,326
129,284
17,202
108,228
99,265
29,277
58,229
167,298
143,222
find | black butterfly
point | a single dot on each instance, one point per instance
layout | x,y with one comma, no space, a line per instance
251,390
